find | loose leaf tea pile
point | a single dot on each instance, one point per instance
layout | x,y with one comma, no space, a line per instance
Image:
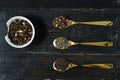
60,22
20,32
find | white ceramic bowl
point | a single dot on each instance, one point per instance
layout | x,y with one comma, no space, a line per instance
8,25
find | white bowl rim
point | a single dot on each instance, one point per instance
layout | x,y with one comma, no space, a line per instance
8,24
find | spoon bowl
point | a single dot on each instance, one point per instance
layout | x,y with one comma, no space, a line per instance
61,43
63,65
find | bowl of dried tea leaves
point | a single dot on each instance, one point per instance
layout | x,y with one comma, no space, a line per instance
20,33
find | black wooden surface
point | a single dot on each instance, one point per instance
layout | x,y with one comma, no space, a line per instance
35,61
29,4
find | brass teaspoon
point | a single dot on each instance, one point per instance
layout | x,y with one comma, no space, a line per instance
64,43
63,65
62,22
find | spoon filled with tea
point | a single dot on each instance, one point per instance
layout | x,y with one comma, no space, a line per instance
62,22
62,65
64,43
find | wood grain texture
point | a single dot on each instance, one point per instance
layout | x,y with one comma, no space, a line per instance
35,61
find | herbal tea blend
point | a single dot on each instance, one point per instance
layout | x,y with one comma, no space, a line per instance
64,43
20,32
63,65
61,22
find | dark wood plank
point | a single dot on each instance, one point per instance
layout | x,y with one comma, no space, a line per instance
95,4
19,4
37,66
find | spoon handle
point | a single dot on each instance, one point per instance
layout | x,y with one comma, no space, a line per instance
105,44
103,66
98,23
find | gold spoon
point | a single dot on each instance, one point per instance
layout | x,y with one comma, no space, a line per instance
63,65
62,22
64,43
